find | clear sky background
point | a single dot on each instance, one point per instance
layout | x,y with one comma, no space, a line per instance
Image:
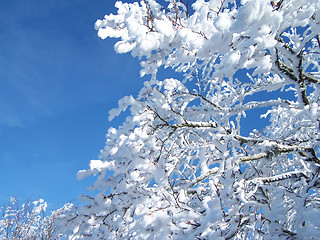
58,81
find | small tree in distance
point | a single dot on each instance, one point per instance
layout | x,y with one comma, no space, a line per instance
29,220
181,166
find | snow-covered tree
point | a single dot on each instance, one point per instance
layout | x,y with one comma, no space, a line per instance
29,221
183,165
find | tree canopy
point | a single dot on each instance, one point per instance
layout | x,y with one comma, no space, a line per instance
181,165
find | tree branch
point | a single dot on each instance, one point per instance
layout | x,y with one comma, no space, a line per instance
280,177
276,149
201,178
301,80
196,125
253,157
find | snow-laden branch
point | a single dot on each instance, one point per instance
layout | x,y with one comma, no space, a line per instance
280,177
274,149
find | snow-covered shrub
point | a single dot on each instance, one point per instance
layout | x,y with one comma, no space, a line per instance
29,221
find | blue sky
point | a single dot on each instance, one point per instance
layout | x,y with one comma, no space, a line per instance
58,81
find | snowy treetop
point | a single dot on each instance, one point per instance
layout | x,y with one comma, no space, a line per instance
180,166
